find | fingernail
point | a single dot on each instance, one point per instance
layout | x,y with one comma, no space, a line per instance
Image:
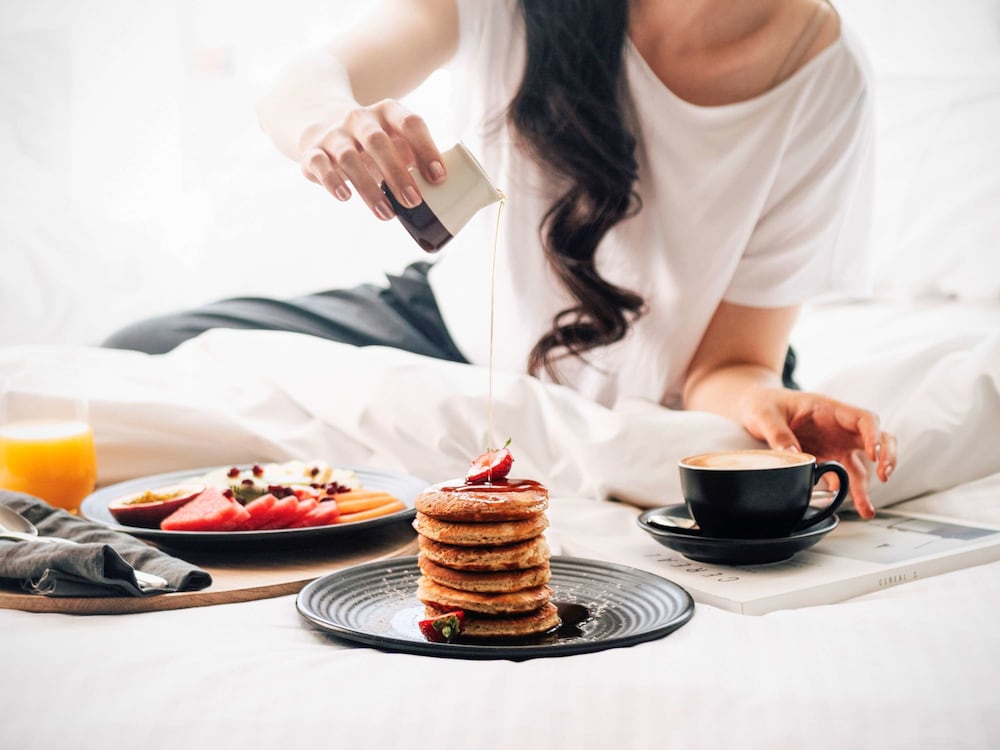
888,471
436,169
878,449
342,193
792,448
383,211
411,196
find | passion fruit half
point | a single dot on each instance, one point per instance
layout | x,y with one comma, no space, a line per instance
147,508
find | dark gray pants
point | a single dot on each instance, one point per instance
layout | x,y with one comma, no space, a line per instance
403,315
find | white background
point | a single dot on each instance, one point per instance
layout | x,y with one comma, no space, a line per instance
134,178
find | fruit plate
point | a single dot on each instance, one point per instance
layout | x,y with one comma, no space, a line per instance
602,605
403,486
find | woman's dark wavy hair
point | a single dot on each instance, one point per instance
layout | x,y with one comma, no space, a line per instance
571,114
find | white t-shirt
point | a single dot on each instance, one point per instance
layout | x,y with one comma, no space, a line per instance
763,203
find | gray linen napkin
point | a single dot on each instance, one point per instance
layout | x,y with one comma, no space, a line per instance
103,564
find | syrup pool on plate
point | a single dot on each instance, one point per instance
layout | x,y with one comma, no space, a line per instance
51,459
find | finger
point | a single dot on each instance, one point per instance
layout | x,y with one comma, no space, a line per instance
770,426
887,456
348,161
411,128
866,424
377,144
317,166
857,473
404,151
830,482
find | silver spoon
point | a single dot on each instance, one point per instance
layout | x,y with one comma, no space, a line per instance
677,525
15,526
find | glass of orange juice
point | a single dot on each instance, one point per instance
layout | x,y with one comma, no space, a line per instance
46,445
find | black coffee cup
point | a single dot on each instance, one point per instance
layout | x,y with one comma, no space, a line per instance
756,494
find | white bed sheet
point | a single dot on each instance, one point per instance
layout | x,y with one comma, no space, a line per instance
912,666
909,667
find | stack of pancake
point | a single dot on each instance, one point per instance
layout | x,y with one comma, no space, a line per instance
482,551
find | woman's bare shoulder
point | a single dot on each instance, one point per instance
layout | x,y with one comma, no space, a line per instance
819,25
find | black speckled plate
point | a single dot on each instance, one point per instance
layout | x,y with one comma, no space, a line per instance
728,551
403,486
603,606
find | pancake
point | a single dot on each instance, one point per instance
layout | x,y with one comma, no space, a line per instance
527,554
508,603
476,626
480,534
495,582
504,500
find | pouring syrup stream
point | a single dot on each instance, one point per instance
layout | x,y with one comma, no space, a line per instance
490,443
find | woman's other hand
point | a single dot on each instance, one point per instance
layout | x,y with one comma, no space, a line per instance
828,429
736,372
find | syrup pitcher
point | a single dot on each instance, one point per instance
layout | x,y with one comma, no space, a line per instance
448,206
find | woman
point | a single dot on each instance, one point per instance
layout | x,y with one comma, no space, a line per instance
682,175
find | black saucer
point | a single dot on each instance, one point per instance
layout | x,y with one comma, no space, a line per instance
691,544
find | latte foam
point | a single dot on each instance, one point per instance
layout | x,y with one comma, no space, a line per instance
759,459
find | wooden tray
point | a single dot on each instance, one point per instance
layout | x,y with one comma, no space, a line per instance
237,576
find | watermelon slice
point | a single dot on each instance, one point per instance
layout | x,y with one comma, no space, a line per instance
210,511
285,510
306,506
260,511
323,514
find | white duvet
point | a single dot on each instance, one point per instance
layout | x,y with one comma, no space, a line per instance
236,396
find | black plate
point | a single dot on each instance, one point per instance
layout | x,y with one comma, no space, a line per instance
610,606
730,551
403,486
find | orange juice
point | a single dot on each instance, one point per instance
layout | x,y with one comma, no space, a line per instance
50,459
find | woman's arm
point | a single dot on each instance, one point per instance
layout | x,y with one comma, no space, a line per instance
335,110
736,372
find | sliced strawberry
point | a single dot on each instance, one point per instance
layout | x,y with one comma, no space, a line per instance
442,628
492,466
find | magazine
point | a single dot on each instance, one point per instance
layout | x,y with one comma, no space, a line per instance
856,558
